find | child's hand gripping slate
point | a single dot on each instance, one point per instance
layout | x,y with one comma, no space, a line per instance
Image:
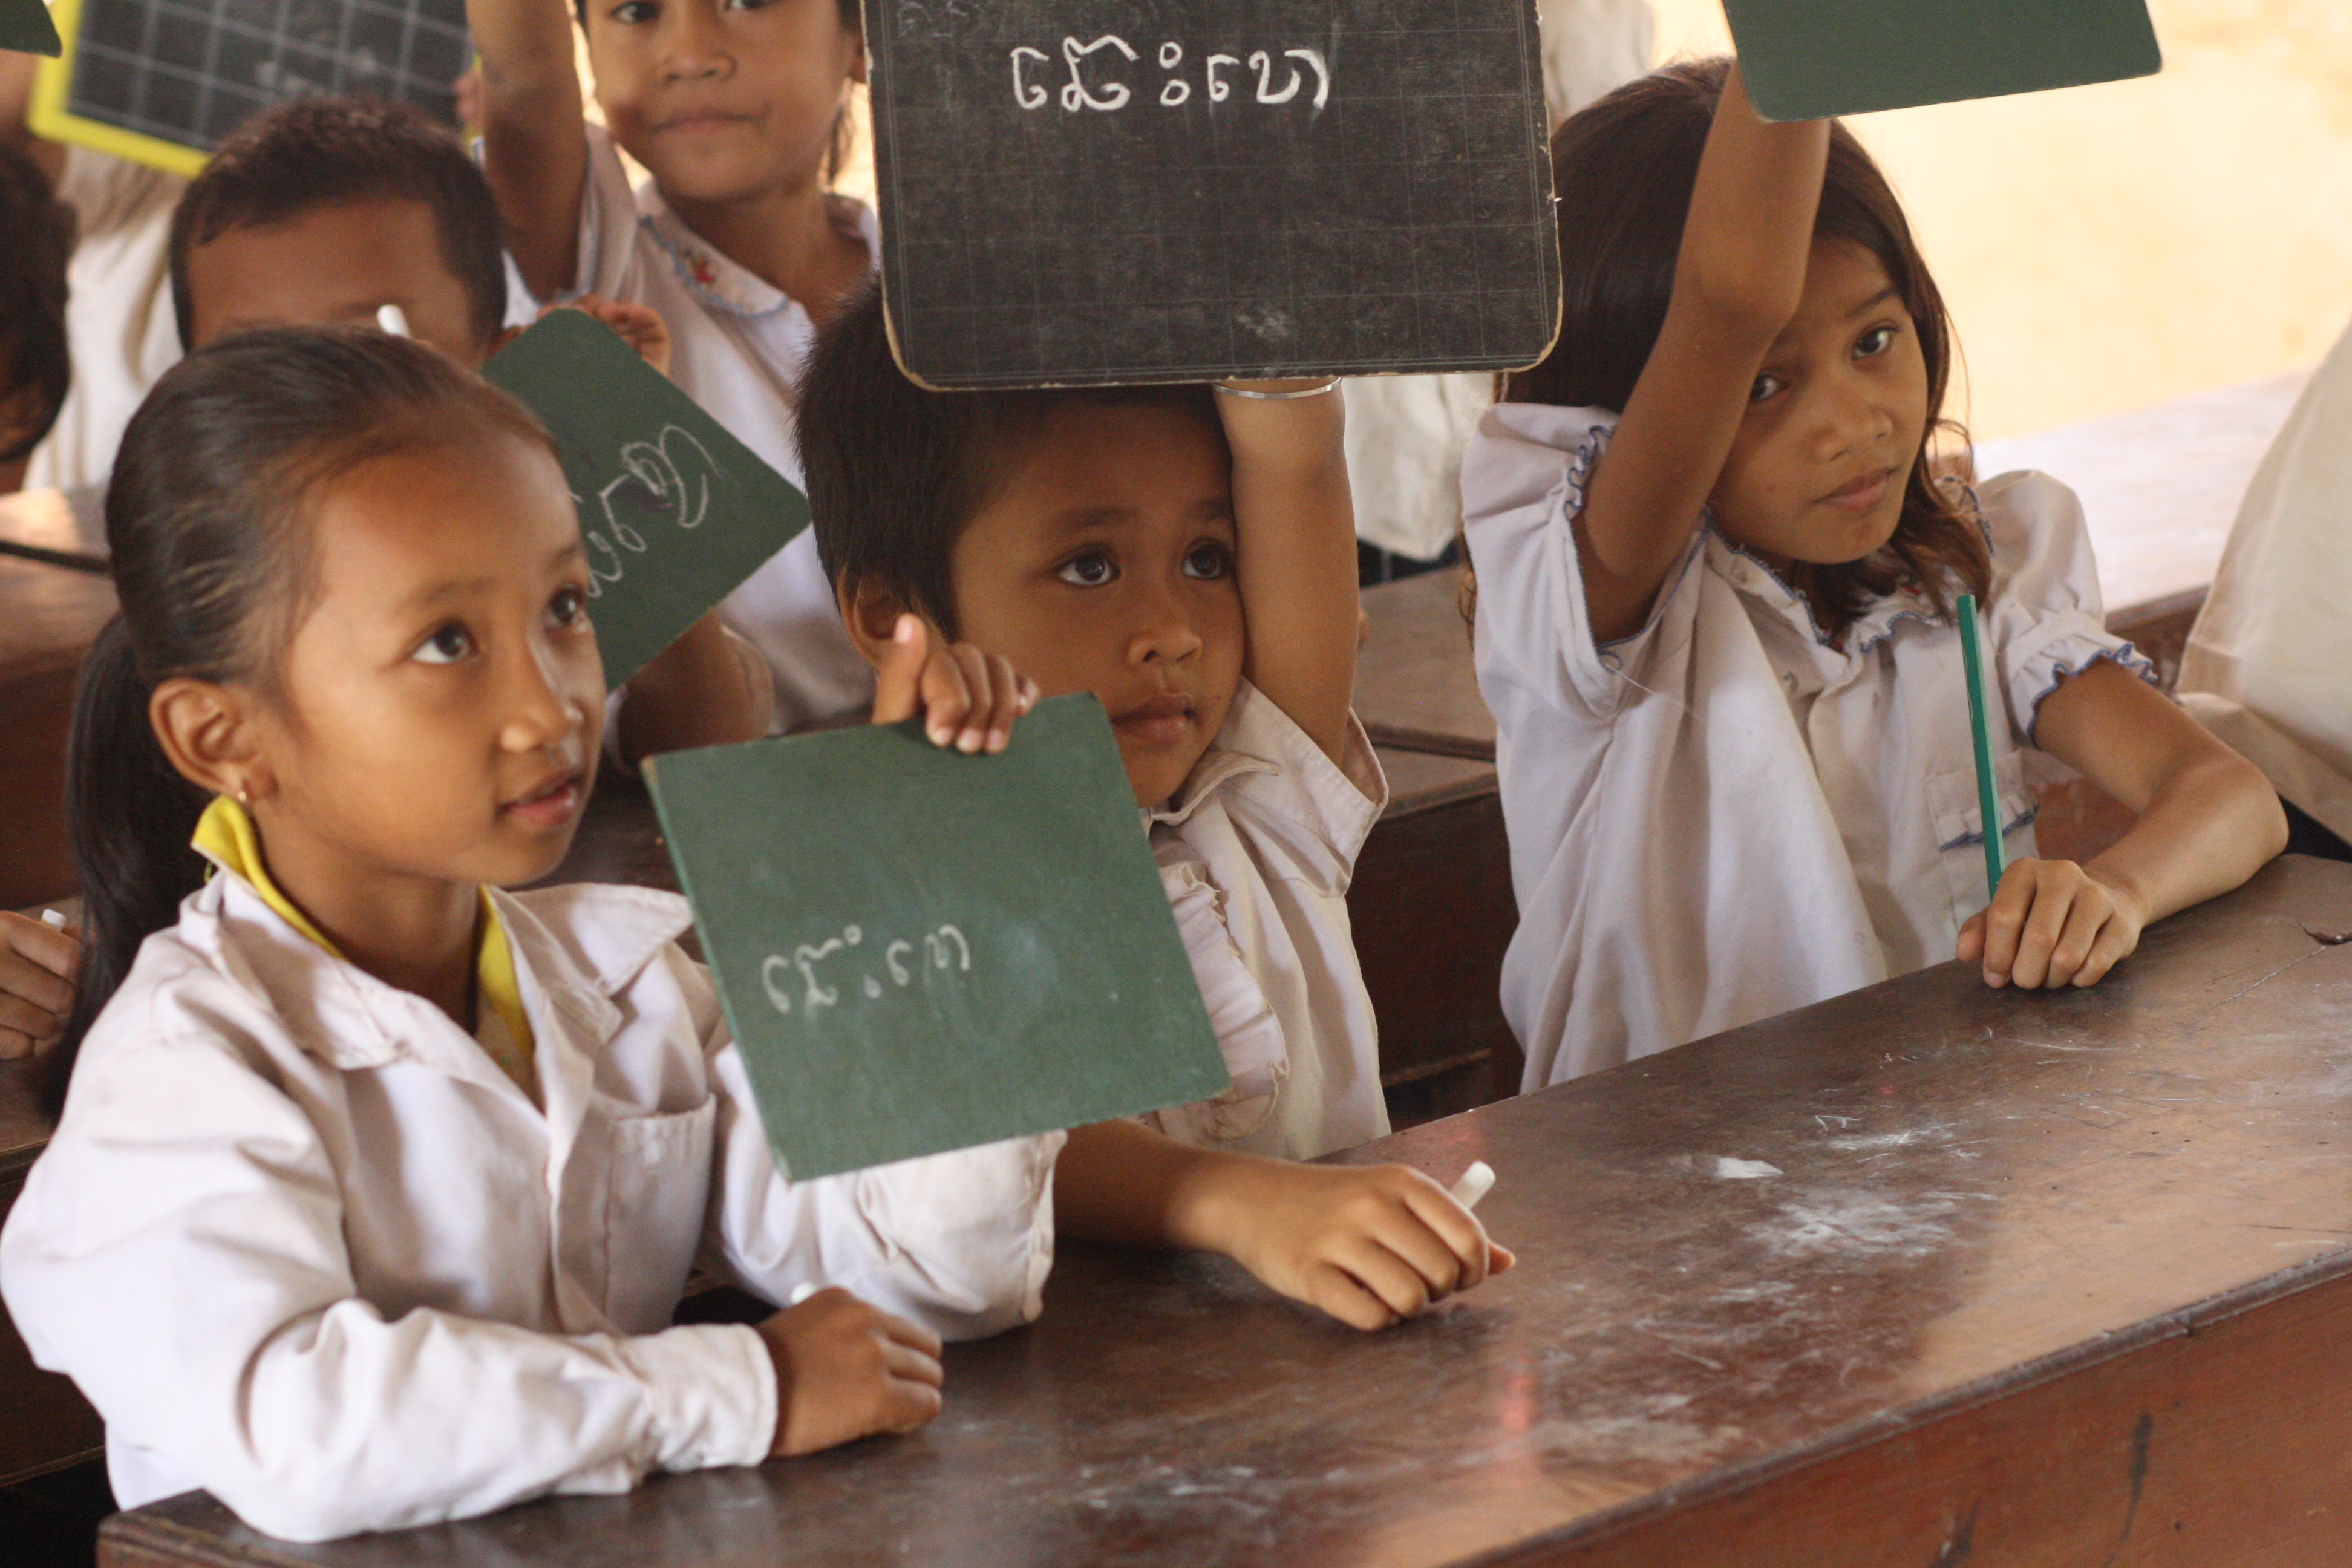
968,698
1369,1245
846,1369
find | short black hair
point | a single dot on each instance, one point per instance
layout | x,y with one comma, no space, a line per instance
895,470
313,152
36,361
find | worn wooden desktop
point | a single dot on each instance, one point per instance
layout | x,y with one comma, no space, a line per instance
1928,1274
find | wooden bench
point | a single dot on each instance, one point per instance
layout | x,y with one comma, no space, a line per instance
1928,1274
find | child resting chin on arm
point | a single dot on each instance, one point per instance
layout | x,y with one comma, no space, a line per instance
1188,556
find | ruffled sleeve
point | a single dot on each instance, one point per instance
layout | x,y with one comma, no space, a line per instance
2047,619
1523,486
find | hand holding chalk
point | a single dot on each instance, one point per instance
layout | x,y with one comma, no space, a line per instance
1475,1184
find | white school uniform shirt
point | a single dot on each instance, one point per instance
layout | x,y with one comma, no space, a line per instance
736,345
1721,817
1256,851
302,1242
119,321
2269,665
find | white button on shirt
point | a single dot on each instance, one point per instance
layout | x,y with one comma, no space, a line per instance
737,346
1256,851
1722,816
303,1243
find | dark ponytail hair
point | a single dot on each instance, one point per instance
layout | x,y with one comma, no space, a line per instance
1625,168
203,521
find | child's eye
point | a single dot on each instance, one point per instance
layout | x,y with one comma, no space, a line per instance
446,644
1874,342
569,608
1208,559
1763,387
1091,569
633,13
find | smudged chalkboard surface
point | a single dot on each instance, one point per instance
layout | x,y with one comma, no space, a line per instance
1104,191
184,73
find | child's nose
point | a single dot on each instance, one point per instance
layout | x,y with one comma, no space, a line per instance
1853,417
1165,633
539,710
694,46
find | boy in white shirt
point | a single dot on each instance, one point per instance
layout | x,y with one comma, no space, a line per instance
1188,556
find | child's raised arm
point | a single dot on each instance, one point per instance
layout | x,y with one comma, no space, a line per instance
1297,529
534,147
1738,281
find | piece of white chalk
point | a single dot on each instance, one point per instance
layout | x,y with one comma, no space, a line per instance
392,319
54,919
1475,1184
802,1292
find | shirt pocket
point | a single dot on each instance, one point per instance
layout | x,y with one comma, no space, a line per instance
1957,823
658,1191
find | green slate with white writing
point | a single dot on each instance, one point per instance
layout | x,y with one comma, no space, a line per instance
919,950
675,511
1810,59
26,27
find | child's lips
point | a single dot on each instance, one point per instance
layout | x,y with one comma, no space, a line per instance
1862,493
550,804
1159,721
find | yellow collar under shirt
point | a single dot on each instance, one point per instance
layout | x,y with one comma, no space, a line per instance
224,833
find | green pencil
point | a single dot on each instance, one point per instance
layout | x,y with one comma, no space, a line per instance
1988,796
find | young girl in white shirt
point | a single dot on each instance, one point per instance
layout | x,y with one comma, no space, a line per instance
737,239
375,1186
1717,577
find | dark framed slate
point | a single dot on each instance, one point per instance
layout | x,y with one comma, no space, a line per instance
1106,191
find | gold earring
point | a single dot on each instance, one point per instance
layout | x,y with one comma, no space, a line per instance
243,794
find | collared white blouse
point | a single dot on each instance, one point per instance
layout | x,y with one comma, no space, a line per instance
1722,816
303,1243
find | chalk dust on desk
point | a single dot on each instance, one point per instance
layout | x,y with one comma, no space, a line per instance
1857,1223
1732,1170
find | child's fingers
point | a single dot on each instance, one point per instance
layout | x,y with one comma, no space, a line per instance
910,1364
1399,1286
1972,939
1336,1291
2116,940
2053,900
25,1029
898,679
57,950
907,1405
2085,920
913,1335
1500,1259
947,696
983,684
1014,694
25,978
1456,1232
2004,921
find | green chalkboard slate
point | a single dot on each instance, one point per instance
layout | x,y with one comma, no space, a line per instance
26,27
675,511
1811,59
920,951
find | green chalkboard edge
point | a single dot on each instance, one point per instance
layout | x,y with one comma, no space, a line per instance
42,29
48,116
1540,171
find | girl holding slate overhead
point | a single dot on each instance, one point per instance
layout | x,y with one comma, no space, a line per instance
1718,571
737,110
375,1186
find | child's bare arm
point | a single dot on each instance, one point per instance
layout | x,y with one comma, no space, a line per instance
1297,529
2207,820
1738,281
1369,1244
534,147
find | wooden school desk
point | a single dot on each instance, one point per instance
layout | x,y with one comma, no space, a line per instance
1931,1274
49,612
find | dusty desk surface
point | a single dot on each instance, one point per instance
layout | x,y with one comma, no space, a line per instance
1928,1274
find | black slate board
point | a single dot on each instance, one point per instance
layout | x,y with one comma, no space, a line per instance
1056,213
164,80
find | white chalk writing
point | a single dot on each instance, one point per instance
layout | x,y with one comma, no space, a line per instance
792,982
666,480
1094,82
